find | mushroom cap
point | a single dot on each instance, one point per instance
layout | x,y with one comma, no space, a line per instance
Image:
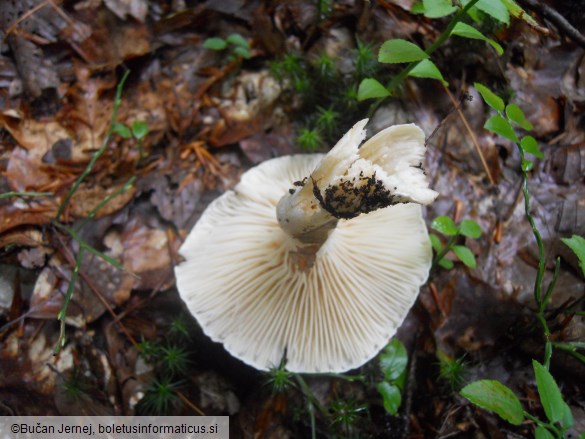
242,283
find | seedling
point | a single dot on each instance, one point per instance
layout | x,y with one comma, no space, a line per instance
446,226
138,130
392,362
235,45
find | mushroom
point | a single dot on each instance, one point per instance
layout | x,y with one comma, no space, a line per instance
315,256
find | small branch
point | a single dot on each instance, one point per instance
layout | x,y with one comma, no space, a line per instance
472,135
557,19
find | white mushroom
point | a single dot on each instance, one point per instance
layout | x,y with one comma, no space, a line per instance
331,276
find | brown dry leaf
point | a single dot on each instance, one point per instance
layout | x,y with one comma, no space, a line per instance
111,41
19,214
144,252
249,111
122,8
85,307
174,203
88,196
474,302
26,171
261,147
27,361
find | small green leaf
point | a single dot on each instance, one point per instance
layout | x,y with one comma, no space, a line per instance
494,8
393,360
445,225
527,165
243,52
567,420
400,51
447,264
530,145
438,8
497,124
467,31
427,69
542,433
370,88
550,395
139,129
417,8
577,244
122,130
391,397
516,115
436,243
490,98
238,40
465,255
470,229
215,43
494,396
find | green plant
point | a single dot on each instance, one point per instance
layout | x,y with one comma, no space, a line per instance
364,60
174,360
138,130
447,227
345,414
280,379
160,398
496,397
392,362
309,139
327,120
493,395
291,66
236,46
452,370
148,349
62,314
179,328
419,64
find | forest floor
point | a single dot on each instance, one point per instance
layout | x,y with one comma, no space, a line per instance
97,195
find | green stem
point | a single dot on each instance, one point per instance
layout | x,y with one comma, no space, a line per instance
310,403
536,233
90,249
105,201
24,194
396,80
546,425
63,312
570,349
448,247
99,152
538,298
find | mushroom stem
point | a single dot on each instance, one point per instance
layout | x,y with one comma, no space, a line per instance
351,180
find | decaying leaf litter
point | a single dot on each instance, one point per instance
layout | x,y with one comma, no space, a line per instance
210,117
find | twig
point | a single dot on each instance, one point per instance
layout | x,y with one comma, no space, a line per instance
190,404
472,135
557,19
